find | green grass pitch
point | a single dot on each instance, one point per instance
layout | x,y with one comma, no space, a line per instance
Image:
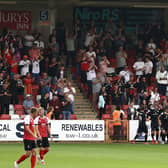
92,156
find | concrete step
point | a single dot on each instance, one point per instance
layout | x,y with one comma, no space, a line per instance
86,118
82,103
84,110
84,113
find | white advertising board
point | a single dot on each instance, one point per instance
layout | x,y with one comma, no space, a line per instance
61,130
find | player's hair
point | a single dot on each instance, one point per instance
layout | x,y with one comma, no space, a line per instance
33,110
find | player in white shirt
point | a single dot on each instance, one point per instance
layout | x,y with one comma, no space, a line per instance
139,66
24,63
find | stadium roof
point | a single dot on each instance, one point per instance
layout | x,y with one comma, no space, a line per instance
124,3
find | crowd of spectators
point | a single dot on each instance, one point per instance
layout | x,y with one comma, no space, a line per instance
27,61
106,71
116,69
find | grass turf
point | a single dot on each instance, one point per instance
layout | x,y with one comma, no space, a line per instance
92,156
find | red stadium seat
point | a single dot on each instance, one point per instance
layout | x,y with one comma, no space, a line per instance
73,117
109,109
106,117
18,107
19,112
60,117
5,117
125,107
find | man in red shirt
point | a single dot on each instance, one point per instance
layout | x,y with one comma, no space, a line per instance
29,139
43,131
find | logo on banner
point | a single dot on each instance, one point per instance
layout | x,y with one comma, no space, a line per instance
20,130
16,20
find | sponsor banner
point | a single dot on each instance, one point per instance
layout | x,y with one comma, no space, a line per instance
16,20
78,130
133,128
11,130
62,130
131,17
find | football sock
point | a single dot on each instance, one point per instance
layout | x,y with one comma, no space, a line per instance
146,137
45,151
41,154
21,159
33,161
136,137
157,137
152,136
163,137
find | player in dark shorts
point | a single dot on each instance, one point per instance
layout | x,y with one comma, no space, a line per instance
43,131
153,115
142,128
29,139
164,125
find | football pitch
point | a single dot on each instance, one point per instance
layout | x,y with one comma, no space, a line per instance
92,156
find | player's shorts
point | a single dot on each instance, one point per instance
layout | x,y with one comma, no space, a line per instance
142,128
154,126
29,145
44,143
164,127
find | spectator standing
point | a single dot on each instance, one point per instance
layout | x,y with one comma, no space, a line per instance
139,66
148,67
66,107
96,88
28,103
5,98
28,81
126,74
152,46
71,91
70,46
24,65
45,101
36,69
121,57
162,81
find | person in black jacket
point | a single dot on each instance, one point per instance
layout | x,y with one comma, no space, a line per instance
5,98
45,101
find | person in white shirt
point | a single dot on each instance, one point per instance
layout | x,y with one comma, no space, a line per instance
126,74
148,69
162,81
70,45
39,43
36,69
28,40
139,66
89,38
152,46
91,74
71,91
155,97
91,54
24,64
